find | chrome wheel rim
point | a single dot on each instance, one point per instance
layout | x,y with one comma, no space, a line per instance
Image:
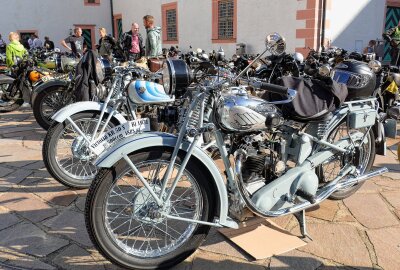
72,154
52,103
133,220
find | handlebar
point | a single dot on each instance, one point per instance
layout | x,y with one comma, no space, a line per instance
272,88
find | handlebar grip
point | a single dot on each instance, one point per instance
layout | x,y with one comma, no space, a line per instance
273,88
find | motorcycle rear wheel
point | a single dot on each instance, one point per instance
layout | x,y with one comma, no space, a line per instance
167,241
7,105
48,102
363,159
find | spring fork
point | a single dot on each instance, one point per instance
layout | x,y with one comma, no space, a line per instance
182,133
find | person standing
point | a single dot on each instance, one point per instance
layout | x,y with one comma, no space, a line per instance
37,43
14,49
48,44
371,47
106,44
393,37
132,43
2,45
153,41
75,43
30,41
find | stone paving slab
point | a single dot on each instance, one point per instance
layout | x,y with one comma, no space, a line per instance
28,238
27,205
338,242
71,224
75,257
371,211
7,218
386,244
295,260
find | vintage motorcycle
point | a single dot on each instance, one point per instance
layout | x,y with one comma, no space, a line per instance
16,86
67,148
55,91
157,194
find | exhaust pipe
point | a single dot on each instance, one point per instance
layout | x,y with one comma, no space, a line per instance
322,195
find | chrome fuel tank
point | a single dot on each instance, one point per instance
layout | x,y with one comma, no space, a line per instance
240,112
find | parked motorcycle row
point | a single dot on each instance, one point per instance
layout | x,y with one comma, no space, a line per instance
291,131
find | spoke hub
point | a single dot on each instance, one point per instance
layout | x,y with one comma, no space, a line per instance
80,149
146,209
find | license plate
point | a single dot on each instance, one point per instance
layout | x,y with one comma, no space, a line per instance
120,132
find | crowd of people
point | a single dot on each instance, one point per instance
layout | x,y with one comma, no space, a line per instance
130,46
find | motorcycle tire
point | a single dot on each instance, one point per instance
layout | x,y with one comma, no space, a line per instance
6,104
54,163
48,102
97,214
338,163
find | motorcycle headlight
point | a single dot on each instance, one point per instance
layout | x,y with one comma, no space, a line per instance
324,70
338,51
166,77
375,65
100,70
175,76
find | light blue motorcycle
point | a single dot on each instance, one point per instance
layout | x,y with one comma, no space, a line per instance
157,195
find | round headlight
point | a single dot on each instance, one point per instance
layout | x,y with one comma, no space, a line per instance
375,65
324,70
166,77
100,70
176,76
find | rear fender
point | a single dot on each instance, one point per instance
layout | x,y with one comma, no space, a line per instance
153,139
6,79
85,106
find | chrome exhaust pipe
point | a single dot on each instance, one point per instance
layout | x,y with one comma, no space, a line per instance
322,195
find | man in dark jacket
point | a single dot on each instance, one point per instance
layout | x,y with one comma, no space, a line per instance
132,43
48,44
106,44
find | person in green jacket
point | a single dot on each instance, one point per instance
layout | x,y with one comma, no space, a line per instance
153,41
14,49
393,37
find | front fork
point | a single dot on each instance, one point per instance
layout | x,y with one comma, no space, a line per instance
195,133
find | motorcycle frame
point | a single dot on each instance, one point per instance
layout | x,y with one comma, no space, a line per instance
315,159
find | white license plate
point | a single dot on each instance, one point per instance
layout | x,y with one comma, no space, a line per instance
120,132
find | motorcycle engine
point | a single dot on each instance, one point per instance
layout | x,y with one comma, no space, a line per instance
265,162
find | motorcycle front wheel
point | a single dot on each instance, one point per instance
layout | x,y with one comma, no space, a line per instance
362,157
125,223
66,154
48,102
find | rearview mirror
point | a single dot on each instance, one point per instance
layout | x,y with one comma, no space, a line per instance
275,43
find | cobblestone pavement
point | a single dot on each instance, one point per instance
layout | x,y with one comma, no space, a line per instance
42,224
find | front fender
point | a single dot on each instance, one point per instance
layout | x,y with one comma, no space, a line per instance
83,106
45,85
152,139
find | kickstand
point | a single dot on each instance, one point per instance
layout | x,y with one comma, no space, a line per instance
301,218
